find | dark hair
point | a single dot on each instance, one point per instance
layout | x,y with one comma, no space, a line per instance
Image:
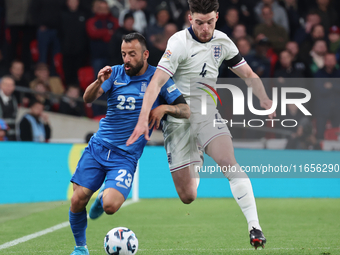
313,12
34,101
128,15
16,61
100,1
320,40
203,6
7,76
290,54
136,36
243,39
230,9
161,7
267,6
88,137
264,42
40,66
73,86
317,25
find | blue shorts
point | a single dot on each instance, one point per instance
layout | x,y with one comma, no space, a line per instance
98,162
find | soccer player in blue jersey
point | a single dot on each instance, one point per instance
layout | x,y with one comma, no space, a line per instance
107,155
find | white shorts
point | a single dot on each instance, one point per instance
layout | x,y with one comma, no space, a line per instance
185,142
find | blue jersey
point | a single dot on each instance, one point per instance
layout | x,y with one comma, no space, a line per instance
124,102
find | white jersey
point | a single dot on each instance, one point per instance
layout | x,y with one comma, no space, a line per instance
188,61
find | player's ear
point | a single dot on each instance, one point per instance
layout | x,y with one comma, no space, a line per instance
217,15
146,54
190,18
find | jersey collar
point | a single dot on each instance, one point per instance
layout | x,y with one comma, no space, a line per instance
195,37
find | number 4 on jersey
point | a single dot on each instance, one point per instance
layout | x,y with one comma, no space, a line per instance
203,72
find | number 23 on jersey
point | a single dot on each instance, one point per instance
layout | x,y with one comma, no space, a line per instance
129,105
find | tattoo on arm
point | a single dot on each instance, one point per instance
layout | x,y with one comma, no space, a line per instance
179,111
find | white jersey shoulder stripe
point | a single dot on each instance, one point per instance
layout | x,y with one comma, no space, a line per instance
165,69
241,63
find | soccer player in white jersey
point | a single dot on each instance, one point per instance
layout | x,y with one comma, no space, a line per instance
194,53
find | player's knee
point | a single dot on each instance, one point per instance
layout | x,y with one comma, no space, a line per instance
188,198
111,208
77,204
226,161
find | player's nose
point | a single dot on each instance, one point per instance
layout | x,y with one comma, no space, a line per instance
126,59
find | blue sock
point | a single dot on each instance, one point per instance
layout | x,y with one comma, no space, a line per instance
78,222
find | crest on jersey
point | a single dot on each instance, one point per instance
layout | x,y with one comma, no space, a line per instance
167,54
169,158
217,51
143,87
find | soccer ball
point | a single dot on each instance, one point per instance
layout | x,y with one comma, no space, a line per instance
120,241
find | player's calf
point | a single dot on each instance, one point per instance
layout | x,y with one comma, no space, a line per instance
80,198
186,185
188,194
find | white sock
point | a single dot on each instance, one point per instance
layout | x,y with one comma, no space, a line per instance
242,190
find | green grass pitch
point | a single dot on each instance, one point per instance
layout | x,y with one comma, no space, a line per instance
166,226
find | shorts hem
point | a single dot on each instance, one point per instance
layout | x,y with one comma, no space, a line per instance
174,169
76,182
217,135
124,194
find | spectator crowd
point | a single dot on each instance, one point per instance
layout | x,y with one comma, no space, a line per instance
55,48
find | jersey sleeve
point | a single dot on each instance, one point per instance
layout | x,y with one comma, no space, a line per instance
232,56
107,85
168,94
174,54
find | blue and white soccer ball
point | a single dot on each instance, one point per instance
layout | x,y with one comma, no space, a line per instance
120,241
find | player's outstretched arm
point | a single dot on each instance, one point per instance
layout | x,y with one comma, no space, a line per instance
179,109
254,81
94,90
158,80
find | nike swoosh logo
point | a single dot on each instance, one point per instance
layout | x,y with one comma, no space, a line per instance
118,83
120,185
242,196
193,55
220,127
